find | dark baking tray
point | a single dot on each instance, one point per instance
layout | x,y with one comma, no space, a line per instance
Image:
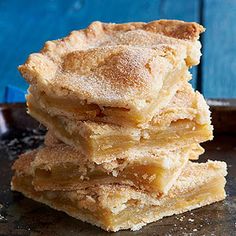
22,216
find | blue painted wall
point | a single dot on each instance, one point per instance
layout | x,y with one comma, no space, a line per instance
26,24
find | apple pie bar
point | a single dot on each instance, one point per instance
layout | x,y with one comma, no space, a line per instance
60,167
114,206
114,73
184,121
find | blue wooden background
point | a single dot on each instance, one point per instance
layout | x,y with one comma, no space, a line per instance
26,24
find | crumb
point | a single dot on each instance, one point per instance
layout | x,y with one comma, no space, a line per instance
145,176
115,173
89,198
81,177
151,178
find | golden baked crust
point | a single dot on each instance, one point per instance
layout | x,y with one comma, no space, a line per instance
186,120
61,167
116,207
119,66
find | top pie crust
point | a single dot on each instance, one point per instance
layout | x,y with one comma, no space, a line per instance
114,65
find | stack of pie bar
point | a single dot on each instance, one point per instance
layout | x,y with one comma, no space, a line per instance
124,125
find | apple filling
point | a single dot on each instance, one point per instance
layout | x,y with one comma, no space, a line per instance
153,177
